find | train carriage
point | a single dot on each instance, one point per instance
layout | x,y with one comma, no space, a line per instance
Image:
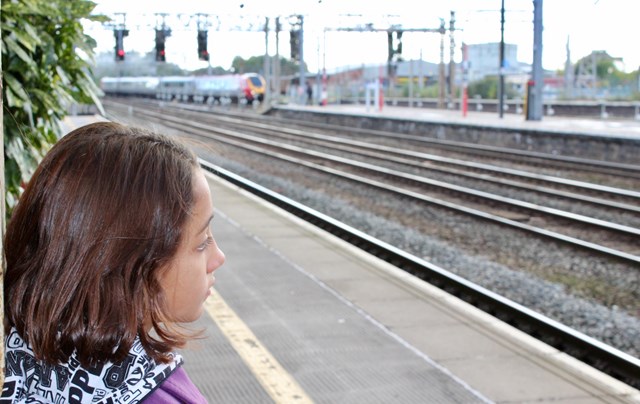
180,88
248,87
234,87
130,86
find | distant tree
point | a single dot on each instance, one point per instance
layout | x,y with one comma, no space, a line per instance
255,64
216,71
428,91
135,64
289,67
608,72
488,88
604,64
46,61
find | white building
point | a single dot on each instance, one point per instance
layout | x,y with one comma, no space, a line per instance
484,60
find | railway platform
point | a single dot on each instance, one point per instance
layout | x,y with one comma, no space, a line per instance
300,316
620,128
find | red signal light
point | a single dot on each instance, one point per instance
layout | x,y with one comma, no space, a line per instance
120,52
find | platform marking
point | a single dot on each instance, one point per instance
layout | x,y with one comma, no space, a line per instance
276,381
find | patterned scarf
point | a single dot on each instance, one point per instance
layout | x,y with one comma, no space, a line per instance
29,380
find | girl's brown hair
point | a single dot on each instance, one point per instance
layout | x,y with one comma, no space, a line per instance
100,219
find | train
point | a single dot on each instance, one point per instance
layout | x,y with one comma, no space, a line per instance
248,87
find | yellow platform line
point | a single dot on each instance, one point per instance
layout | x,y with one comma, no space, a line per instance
275,380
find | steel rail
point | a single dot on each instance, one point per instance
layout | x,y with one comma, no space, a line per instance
496,170
625,256
388,153
630,170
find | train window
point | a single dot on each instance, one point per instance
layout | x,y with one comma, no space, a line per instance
255,81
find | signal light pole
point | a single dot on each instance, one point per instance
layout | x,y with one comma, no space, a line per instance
296,40
119,34
160,51
203,54
162,33
202,23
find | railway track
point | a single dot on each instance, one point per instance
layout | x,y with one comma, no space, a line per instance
578,190
606,196
603,237
464,150
587,349
499,162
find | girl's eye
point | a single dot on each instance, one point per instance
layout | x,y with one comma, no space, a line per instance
207,242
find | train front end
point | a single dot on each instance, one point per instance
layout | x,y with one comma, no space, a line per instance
255,87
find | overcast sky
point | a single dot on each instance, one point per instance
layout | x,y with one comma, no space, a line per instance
609,25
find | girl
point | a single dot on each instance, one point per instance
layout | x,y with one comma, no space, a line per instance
108,251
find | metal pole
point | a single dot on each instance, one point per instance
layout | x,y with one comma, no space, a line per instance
267,76
421,74
441,70
535,104
465,79
300,47
276,63
452,64
501,66
318,85
411,83
323,100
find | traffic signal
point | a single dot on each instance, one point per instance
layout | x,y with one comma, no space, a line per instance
395,50
294,40
160,52
119,34
203,54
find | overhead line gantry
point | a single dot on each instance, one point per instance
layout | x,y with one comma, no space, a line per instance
395,50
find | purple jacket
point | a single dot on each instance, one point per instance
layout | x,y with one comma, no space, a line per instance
177,388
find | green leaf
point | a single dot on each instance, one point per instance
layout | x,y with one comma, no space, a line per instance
93,91
16,87
26,40
17,50
43,73
12,99
31,32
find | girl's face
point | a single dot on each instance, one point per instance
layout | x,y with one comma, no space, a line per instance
189,278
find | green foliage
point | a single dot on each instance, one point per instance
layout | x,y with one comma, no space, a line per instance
612,84
428,91
145,65
487,88
45,62
255,64
135,64
216,71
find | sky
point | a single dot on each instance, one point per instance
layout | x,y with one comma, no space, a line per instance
237,29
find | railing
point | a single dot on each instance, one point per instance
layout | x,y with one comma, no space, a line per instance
587,109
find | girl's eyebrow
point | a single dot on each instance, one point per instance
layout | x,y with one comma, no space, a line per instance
207,223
